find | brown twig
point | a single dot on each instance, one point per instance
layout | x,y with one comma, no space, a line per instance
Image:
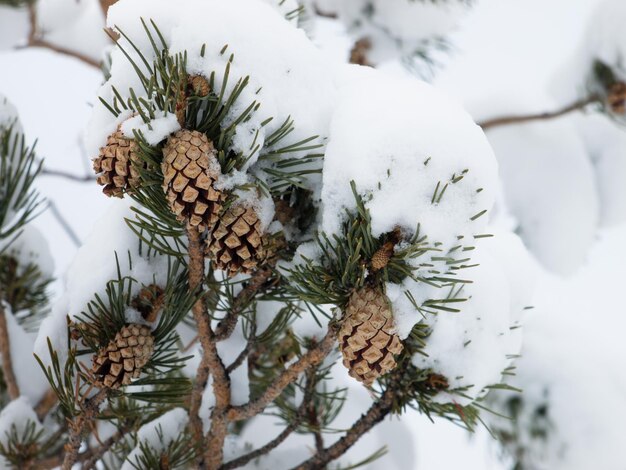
508,120
5,351
77,427
312,358
35,41
91,456
291,427
377,412
66,175
46,403
227,325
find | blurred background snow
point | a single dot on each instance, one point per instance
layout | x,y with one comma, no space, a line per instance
562,182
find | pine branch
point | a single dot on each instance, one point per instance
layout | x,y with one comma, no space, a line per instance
312,358
291,427
77,427
68,176
578,105
5,351
377,412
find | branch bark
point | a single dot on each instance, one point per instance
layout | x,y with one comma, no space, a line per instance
377,412
35,41
5,351
312,358
77,427
508,120
210,363
46,403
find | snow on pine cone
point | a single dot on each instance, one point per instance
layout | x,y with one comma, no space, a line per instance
116,165
190,169
124,357
367,336
236,244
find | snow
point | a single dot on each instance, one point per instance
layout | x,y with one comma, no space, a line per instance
377,147
158,434
292,81
473,347
158,129
550,189
575,366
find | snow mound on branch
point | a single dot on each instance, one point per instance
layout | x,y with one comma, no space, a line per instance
289,77
571,370
30,379
474,346
398,154
17,414
157,435
94,265
31,247
398,28
550,188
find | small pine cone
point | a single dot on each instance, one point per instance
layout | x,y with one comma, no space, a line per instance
190,169
367,336
616,98
116,165
199,85
236,244
124,357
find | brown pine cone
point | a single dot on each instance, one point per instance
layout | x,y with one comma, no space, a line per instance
199,85
123,358
236,244
190,169
117,165
367,336
616,98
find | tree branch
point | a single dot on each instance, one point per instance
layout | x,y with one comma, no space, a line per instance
226,327
46,403
377,412
5,351
508,120
291,427
66,175
77,426
210,363
35,41
312,358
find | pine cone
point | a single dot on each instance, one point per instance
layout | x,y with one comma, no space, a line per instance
367,339
199,85
616,98
190,169
116,165
123,358
236,244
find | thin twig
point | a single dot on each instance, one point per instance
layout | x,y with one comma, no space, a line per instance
67,175
291,427
5,351
64,223
377,412
77,427
227,325
508,120
313,357
46,403
35,41
244,353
